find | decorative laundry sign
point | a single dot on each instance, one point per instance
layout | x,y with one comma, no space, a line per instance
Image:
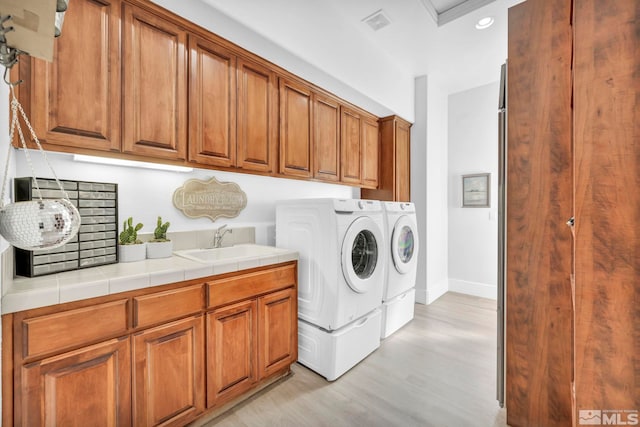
212,199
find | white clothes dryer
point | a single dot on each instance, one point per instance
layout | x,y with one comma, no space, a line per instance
401,230
341,257
342,261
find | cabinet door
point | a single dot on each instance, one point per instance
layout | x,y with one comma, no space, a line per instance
326,138
168,373
370,146
86,387
278,333
212,104
155,84
231,351
296,154
403,162
257,117
75,100
351,128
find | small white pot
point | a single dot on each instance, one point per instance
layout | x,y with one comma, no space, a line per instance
159,249
131,253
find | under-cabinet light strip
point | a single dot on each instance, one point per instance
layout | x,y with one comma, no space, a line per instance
129,163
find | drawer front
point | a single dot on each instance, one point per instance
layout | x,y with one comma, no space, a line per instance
238,288
60,331
168,305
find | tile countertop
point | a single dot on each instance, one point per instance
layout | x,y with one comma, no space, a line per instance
27,293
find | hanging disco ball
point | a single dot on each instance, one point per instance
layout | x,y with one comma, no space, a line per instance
39,224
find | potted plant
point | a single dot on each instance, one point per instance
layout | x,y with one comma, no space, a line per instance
130,248
160,246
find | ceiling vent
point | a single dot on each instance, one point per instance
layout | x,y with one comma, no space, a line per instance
377,20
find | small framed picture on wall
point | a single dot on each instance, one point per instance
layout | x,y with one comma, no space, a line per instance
476,190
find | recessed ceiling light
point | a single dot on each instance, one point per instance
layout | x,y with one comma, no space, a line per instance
377,20
485,22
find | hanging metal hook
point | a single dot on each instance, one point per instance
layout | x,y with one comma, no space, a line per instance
12,84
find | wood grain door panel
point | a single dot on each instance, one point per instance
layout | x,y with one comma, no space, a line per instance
168,373
607,206
350,142
402,165
278,331
212,104
231,351
75,99
296,130
100,375
326,139
155,84
257,117
539,202
370,149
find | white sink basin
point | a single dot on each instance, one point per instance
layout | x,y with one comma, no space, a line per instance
232,253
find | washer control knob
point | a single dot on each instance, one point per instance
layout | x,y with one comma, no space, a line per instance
361,204
402,206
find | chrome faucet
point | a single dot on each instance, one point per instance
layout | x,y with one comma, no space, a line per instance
219,234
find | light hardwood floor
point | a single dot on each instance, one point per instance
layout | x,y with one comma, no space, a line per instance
439,370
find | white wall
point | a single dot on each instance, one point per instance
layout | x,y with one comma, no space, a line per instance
429,185
144,194
473,148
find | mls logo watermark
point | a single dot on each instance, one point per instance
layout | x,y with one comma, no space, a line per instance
608,417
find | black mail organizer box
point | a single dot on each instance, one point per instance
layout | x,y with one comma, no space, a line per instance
96,241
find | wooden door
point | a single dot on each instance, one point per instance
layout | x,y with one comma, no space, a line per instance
155,84
350,140
402,181
75,100
212,104
278,331
370,148
231,351
539,203
257,117
98,376
326,138
168,373
607,208
296,129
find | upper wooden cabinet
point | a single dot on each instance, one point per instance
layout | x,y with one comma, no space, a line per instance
75,100
257,112
155,83
135,80
395,162
212,103
370,148
359,148
296,129
326,138
351,140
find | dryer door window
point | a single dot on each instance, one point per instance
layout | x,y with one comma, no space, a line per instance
361,254
364,254
404,245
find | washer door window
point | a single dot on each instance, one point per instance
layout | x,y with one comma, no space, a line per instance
404,245
361,254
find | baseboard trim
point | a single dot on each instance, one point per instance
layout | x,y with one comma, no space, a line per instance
482,290
435,291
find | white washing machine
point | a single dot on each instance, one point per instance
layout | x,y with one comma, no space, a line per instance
398,299
341,272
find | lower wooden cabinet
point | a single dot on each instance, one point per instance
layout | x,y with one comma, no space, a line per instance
277,331
86,387
231,351
168,373
152,357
